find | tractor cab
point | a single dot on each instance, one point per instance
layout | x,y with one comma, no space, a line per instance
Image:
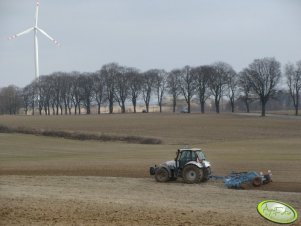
187,155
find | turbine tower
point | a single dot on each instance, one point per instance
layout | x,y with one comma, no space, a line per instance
35,29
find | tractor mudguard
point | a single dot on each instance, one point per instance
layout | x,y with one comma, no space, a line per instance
198,164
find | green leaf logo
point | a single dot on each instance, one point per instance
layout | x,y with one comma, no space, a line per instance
277,212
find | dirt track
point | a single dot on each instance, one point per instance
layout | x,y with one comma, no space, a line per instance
75,200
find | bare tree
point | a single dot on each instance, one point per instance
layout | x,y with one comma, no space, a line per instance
47,83
232,85
52,99
293,76
27,94
63,92
86,89
40,94
35,96
66,89
202,77
187,85
10,100
57,91
218,82
173,86
264,75
68,95
135,85
98,89
109,72
43,90
160,86
148,85
245,89
122,87
76,92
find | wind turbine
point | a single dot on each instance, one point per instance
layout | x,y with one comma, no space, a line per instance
35,29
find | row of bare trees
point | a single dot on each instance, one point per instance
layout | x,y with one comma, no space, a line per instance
64,93
10,100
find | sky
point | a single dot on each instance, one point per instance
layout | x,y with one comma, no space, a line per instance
146,34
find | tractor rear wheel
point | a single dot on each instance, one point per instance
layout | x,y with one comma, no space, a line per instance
161,175
192,174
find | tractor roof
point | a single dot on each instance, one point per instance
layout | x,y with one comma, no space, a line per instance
190,149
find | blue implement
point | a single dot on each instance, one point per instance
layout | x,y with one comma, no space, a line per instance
236,180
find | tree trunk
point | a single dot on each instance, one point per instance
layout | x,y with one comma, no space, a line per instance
111,107
122,107
232,106
247,106
134,104
188,105
202,106
32,108
98,108
147,107
75,108
217,106
160,106
40,109
297,104
263,108
45,110
88,109
174,103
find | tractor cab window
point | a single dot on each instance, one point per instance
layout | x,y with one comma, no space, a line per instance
200,155
186,156
193,156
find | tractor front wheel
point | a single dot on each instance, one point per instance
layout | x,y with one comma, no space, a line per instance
161,175
192,174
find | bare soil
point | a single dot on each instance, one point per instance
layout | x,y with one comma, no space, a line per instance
179,129
55,181
67,200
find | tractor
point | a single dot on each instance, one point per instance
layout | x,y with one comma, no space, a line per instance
189,164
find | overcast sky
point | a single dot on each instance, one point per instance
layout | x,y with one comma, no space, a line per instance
146,34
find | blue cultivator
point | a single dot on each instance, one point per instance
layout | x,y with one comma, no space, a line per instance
240,180
236,180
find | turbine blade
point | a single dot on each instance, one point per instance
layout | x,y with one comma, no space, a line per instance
37,13
21,33
48,36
